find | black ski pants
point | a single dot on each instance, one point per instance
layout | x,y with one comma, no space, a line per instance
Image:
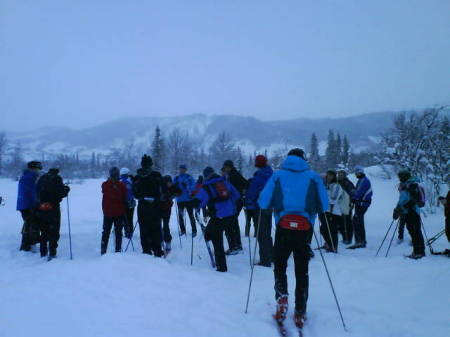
346,228
30,229
50,223
167,237
401,227
108,222
149,218
358,224
128,227
265,236
413,225
286,242
233,233
214,232
251,215
329,230
189,207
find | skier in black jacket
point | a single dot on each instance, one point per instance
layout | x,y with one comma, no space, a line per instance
148,188
50,192
240,184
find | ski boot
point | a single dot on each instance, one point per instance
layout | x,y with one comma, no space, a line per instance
282,308
415,256
299,319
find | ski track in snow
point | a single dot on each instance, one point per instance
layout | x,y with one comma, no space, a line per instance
131,294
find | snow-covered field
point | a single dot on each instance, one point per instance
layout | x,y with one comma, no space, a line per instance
131,294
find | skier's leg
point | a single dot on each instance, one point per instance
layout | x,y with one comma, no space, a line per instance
55,226
181,207
156,233
45,234
301,261
413,224
282,251
118,225
190,211
215,230
26,229
265,238
107,224
144,228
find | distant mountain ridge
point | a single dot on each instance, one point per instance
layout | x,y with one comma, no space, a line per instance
248,132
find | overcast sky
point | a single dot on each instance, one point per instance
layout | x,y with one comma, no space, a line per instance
80,63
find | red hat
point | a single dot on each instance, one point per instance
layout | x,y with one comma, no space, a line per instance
260,161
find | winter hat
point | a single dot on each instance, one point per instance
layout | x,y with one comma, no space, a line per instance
124,171
228,163
114,172
34,165
208,171
260,161
183,166
297,152
404,175
54,171
359,169
146,161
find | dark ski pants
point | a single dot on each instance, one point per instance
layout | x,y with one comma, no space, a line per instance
413,225
189,206
329,230
265,237
346,228
30,229
358,224
233,233
296,242
401,227
447,228
50,222
214,232
251,215
149,218
108,222
128,227
167,237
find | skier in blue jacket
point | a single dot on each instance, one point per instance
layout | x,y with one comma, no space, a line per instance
361,198
219,198
131,202
296,194
26,204
257,183
186,184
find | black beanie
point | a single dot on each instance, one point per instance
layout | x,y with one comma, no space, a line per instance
146,161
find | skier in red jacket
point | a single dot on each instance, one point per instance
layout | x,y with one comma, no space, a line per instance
114,206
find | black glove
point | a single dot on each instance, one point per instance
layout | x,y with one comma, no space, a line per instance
396,214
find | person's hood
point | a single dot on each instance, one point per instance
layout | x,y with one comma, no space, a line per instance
294,163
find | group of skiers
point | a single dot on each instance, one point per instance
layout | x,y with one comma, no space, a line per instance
293,196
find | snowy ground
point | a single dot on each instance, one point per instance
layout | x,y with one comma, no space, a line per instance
135,295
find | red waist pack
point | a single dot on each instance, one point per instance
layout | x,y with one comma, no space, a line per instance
294,222
45,207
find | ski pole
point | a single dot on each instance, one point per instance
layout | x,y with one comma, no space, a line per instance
178,220
392,238
382,242
437,236
130,240
426,237
252,267
331,284
70,232
192,249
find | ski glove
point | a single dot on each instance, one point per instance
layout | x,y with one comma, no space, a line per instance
396,213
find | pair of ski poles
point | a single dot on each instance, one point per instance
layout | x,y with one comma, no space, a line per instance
324,264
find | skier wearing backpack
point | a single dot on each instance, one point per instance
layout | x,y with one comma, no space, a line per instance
346,206
114,205
148,189
361,198
240,184
50,191
410,200
186,184
296,194
26,205
262,174
131,203
219,197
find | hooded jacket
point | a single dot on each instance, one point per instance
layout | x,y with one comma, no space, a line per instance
363,192
218,209
294,189
409,194
26,194
256,185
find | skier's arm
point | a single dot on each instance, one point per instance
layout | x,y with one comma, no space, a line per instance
265,197
203,196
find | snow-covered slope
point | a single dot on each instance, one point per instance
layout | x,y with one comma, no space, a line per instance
130,294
